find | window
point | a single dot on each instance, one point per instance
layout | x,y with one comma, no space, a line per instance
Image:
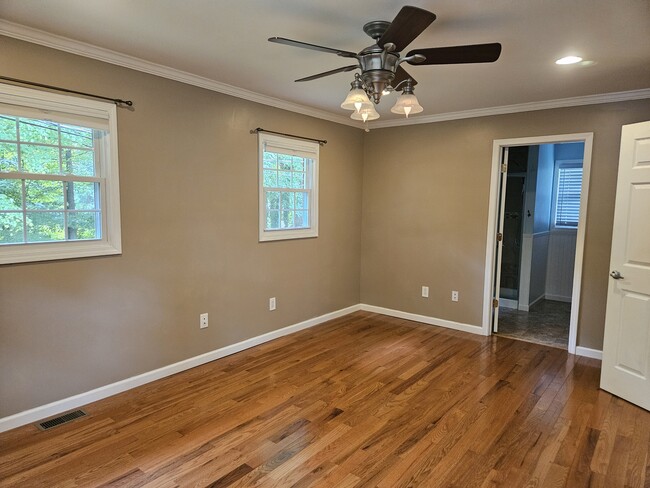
567,194
59,195
288,185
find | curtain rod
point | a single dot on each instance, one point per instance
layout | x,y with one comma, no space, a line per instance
322,142
116,101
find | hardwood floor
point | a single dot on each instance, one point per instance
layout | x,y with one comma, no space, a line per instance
364,400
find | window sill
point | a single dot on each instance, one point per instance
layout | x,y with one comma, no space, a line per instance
20,253
283,235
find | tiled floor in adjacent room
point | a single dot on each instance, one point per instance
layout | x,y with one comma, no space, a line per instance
547,323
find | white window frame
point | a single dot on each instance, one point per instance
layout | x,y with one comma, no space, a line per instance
562,163
29,100
297,147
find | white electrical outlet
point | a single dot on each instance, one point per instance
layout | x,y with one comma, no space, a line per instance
454,296
272,303
203,320
425,292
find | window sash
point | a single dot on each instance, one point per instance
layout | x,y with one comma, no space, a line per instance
280,209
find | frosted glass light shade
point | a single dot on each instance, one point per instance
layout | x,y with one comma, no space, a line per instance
356,100
365,114
406,104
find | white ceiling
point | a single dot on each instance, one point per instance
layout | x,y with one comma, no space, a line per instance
226,41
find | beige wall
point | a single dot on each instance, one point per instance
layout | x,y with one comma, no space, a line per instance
188,174
425,208
189,227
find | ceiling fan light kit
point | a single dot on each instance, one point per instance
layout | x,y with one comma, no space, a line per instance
407,103
365,114
380,63
357,97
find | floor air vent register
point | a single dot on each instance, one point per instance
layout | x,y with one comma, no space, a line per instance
60,420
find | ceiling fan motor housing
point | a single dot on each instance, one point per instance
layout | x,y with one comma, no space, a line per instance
377,69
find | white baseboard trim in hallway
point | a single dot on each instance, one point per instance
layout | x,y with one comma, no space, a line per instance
76,401
472,329
589,353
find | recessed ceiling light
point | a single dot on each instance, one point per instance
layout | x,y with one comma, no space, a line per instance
569,60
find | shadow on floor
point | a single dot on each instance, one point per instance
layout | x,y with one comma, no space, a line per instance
547,322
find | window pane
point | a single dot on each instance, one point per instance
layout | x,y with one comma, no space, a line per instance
11,195
8,157
43,195
302,200
273,219
82,195
39,159
287,201
270,160
284,180
298,164
302,218
298,180
284,160
45,226
567,212
270,178
273,200
83,225
8,128
11,228
78,162
76,136
287,219
41,131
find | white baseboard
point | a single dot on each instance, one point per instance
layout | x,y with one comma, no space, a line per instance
76,401
538,299
508,303
472,329
526,308
589,353
558,298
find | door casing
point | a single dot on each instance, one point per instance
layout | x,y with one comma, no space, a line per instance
493,209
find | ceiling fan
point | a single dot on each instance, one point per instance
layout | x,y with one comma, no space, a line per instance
380,63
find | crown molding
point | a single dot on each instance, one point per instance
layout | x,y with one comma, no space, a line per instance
36,36
517,108
61,43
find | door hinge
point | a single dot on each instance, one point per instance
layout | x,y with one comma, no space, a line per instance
499,236
495,303
504,167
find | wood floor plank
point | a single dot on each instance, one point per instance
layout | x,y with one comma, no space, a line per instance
363,400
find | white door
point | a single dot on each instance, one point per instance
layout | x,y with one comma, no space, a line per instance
626,349
499,239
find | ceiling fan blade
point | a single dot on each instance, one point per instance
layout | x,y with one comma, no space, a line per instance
400,76
313,47
330,72
409,23
476,53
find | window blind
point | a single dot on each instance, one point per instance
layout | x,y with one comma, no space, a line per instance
567,208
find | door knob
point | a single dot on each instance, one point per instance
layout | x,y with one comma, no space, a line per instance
616,275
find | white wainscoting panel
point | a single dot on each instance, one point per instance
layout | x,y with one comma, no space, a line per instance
524,271
561,257
538,267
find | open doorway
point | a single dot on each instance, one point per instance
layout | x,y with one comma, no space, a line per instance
540,223
536,237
